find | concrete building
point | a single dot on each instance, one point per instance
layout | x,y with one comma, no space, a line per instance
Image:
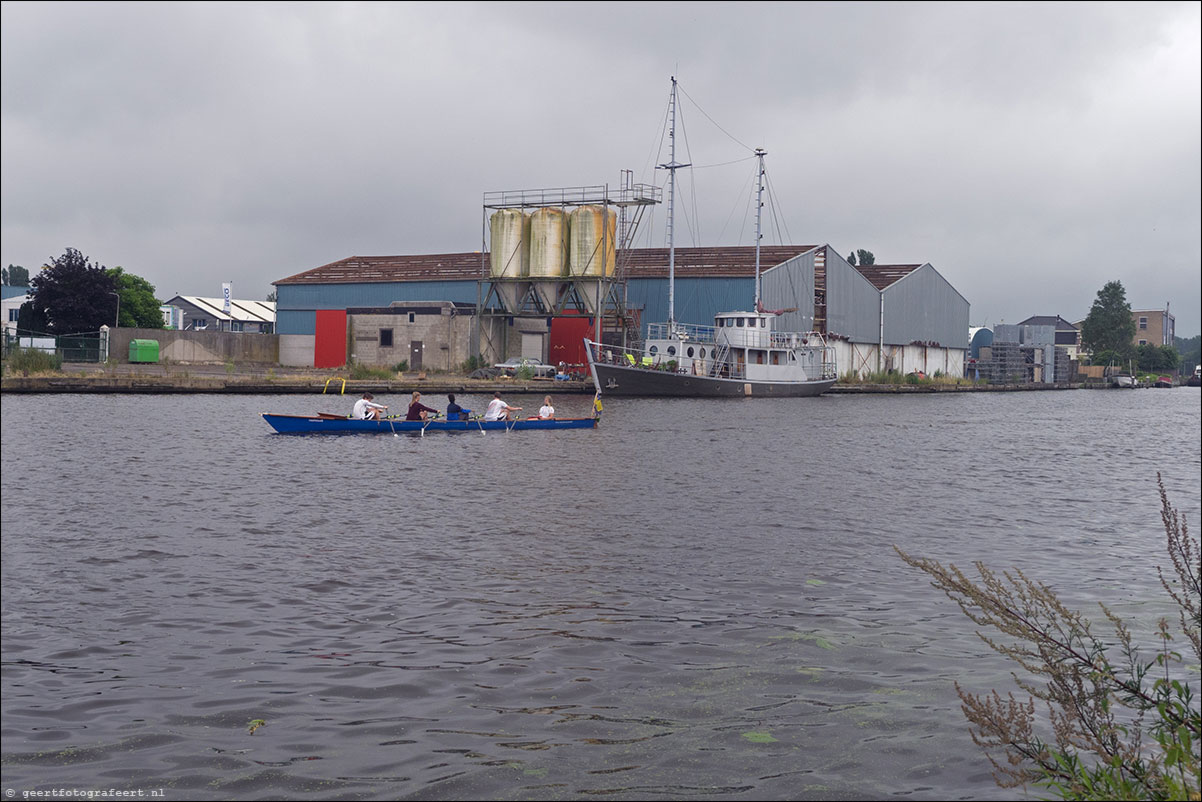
1154,326
1024,354
1067,335
421,334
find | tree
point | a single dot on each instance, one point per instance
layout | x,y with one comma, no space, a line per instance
31,320
1158,358
1120,727
16,276
866,257
74,295
271,297
1109,325
1190,351
139,307
851,258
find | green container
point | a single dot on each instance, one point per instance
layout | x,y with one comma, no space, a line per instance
143,350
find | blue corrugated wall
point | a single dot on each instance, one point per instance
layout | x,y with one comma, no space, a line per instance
697,299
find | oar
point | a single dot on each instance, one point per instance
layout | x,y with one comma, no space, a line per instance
429,420
480,421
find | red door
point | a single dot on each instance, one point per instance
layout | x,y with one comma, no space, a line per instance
567,341
329,346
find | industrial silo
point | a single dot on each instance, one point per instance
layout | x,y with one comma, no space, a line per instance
548,252
509,254
592,247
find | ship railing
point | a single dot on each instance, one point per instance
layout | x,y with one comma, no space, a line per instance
681,331
603,354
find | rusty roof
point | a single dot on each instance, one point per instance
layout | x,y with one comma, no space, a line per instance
881,276
640,263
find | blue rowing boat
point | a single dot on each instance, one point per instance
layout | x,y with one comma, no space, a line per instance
333,424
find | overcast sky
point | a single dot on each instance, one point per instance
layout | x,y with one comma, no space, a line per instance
1029,152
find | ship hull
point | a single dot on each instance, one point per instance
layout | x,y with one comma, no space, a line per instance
616,380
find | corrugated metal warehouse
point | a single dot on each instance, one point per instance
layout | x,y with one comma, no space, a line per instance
900,317
879,317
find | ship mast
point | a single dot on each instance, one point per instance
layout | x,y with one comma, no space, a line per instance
672,166
759,207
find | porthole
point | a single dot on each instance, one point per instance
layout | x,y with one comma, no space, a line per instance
671,350
690,352
653,350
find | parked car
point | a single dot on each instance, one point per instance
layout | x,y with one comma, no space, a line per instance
538,368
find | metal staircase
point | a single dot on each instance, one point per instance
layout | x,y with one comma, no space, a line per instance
719,357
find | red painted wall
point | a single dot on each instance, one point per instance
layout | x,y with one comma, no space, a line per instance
329,348
567,341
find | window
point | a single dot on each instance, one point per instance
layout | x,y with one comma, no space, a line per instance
385,338
671,350
689,353
200,323
1143,323
14,315
739,322
412,317
653,349
1143,342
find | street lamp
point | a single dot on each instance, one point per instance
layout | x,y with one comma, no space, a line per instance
117,322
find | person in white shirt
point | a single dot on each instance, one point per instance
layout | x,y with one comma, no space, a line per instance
366,409
546,411
498,409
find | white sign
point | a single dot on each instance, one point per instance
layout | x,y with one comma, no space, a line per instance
225,293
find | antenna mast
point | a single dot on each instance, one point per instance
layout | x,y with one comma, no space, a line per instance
672,166
759,208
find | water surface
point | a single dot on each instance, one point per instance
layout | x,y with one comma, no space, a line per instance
697,599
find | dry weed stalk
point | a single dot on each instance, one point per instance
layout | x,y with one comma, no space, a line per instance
1098,708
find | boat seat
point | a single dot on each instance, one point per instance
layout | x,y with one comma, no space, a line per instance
630,359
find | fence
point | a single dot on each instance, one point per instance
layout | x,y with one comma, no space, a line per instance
82,347
199,347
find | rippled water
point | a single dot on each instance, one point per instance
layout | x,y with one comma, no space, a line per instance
698,599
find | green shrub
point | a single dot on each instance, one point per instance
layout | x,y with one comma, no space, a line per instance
401,367
33,360
1122,728
364,372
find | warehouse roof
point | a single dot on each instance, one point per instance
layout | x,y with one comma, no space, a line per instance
641,263
881,276
242,311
